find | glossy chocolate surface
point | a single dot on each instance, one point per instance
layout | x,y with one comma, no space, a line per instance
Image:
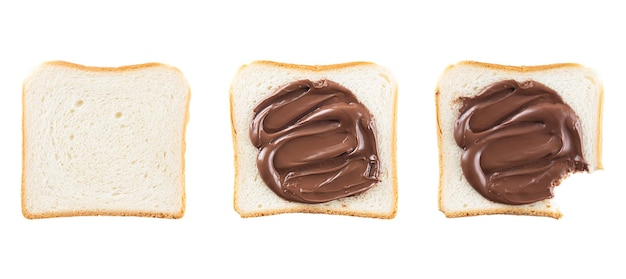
519,140
316,142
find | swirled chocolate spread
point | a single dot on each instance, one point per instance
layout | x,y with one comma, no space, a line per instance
519,141
316,142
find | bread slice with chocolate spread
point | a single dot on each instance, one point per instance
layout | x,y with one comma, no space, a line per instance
314,139
104,141
508,135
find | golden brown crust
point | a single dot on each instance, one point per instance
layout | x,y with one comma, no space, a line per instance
312,68
177,215
304,208
599,165
107,69
516,68
394,157
184,150
105,213
236,157
509,211
440,146
506,210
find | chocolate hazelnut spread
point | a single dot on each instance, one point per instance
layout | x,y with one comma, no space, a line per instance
316,142
519,141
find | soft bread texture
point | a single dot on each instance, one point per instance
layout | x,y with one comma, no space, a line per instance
373,85
579,87
104,141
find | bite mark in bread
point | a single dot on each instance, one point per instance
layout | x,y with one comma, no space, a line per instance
578,86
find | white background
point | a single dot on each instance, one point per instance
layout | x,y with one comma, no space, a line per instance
209,42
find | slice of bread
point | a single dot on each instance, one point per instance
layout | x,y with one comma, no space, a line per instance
579,87
104,141
374,86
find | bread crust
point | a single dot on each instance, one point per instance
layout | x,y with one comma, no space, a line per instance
511,210
177,215
304,208
312,68
521,69
599,165
107,69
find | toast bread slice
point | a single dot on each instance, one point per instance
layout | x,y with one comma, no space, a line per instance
104,141
578,86
373,85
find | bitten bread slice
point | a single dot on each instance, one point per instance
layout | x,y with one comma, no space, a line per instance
373,85
104,141
579,87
